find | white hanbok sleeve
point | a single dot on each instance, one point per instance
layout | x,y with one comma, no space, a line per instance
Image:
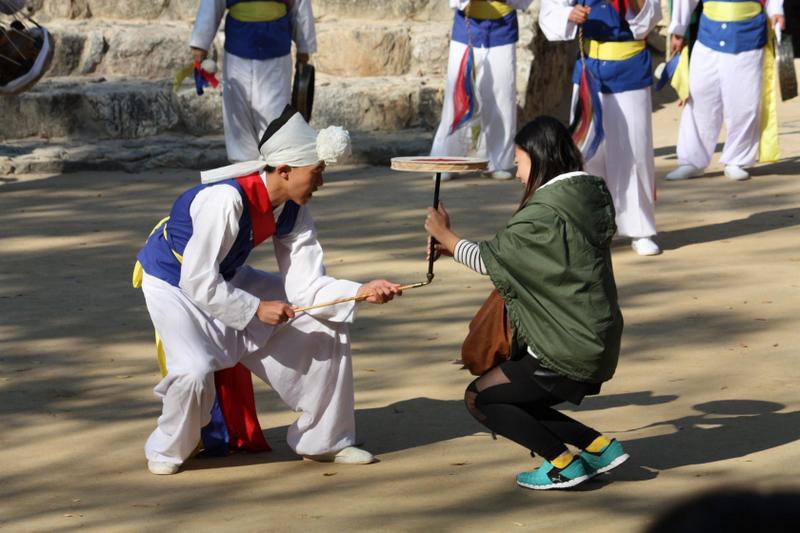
304,33
300,260
206,24
681,16
774,7
645,20
554,20
215,214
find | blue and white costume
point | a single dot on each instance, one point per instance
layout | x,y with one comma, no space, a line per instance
494,45
618,58
257,69
725,81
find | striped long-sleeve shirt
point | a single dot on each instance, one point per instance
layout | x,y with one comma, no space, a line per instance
468,253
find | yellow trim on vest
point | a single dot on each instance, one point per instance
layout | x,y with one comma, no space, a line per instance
613,50
731,11
768,148
258,11
178,256
487,10
138,271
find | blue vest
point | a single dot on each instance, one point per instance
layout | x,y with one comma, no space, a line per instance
257,40
733,37
606,24
485,33
157,257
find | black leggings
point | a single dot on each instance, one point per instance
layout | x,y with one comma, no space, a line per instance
510,402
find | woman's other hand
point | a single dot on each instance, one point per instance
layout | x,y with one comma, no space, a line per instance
437,224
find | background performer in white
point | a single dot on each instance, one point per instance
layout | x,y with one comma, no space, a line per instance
257,69
614,32
725,81
493,32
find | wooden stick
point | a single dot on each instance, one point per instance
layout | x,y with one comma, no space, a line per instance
355,298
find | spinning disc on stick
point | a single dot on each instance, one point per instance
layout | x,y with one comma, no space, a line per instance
439,164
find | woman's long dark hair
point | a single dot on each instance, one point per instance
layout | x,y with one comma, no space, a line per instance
549,145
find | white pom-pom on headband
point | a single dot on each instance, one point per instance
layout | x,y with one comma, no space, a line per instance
333,144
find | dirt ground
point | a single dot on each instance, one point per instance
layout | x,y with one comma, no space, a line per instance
705,396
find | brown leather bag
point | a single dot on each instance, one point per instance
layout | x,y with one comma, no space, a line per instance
488,341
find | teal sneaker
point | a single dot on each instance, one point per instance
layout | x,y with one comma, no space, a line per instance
548,476
606,459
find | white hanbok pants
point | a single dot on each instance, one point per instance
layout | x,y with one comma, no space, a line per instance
625,159
496,88
306,361
254,94
721,85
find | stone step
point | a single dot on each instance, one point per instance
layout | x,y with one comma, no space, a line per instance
129,109
46,10
36,156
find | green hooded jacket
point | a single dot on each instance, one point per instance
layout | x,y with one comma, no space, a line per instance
552,265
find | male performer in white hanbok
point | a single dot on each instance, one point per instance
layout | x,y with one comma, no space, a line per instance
725,81
616,55
257,69
491,28
213,311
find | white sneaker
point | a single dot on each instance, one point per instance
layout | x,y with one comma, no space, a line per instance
645,246
446,176
684,172
501,175
161,468
349,456
736,173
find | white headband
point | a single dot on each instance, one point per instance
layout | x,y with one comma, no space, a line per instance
295,144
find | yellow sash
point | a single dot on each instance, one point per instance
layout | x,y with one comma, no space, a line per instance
731,11
612,50
680,78
138,274
488,10
258,11
768,148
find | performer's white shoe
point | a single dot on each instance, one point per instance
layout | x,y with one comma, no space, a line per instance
684,172
446,176
501,175
160,468
349,456
645,246
736,173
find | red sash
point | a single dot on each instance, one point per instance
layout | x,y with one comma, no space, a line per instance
235,385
